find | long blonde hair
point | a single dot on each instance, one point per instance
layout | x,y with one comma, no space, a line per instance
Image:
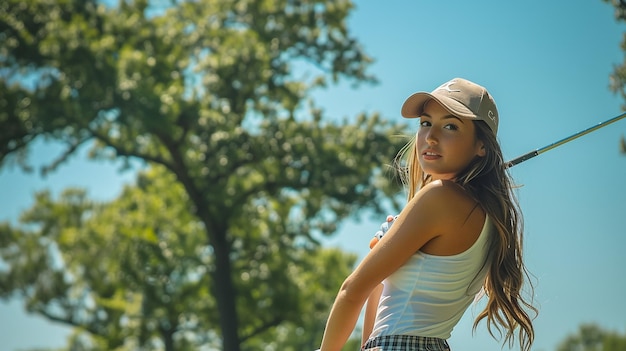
487,180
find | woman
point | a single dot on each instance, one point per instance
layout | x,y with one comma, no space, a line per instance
460,231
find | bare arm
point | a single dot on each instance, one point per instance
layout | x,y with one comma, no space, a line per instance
420,221
370,312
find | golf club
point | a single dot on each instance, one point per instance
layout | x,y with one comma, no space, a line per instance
540,151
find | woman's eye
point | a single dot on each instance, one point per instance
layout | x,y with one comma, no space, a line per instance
424,124
451,127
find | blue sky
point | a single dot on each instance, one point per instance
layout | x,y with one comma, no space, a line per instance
547,63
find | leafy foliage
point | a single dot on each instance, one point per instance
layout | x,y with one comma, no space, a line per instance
618,78
133,273
591,337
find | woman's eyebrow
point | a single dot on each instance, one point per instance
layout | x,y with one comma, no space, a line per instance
424,114
453,116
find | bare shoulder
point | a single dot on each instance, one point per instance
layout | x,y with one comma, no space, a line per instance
445,192
454,215
448,202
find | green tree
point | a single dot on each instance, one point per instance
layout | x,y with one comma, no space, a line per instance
618,77
128,272
591,337
215,92
132,273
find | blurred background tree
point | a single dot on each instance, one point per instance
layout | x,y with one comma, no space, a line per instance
244,173
618,77
591,337
132,273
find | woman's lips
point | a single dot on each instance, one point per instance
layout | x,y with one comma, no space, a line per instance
430,155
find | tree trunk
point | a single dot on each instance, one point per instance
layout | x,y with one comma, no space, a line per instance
223,287
168,339
225,294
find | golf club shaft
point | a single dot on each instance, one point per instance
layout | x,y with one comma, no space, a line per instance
540,151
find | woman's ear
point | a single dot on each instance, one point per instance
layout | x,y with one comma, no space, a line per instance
482,151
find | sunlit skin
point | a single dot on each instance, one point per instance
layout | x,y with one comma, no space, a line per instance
446,144
441,219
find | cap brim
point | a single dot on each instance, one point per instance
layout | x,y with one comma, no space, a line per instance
413,106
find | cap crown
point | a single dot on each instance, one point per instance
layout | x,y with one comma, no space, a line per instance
460,97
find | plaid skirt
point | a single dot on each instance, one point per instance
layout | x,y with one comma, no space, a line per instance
405,343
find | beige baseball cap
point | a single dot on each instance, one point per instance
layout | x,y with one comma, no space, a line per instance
461,98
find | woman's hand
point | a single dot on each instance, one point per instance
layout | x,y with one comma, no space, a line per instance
384,227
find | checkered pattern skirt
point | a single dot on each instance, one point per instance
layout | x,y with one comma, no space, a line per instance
405,343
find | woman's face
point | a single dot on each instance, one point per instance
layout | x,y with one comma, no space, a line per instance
446,144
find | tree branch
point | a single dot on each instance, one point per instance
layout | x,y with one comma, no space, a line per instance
128,153
62,158
269,324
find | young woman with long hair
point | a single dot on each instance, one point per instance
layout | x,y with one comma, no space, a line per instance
459,236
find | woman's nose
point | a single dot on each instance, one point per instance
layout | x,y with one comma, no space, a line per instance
431,136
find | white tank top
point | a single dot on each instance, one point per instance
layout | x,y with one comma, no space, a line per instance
428,295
